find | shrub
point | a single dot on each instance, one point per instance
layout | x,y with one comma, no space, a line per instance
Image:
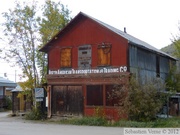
173,80
141,102
8,102
36,113
99,112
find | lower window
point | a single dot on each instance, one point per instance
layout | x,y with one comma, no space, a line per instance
114,95
95,95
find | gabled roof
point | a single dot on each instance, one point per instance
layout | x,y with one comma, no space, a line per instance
7,83
17,89
132,40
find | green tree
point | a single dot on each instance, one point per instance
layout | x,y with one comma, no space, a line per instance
176,43
55,17
21,31
173,79
26,29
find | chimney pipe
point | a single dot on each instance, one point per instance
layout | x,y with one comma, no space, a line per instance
125,30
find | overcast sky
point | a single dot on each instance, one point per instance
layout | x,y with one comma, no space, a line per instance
153,21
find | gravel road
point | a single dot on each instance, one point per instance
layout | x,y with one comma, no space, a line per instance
19,126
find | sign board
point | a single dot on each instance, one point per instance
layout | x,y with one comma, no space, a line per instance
39,99
90,71
39,94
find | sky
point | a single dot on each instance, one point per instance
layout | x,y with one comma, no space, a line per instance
153,21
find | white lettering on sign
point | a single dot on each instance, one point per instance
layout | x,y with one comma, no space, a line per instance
89,71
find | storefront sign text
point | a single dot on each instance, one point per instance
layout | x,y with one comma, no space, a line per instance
90,71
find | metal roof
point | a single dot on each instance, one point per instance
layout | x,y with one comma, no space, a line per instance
17,89
7,83
131,39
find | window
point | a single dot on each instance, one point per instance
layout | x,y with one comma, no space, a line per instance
65,57
84,57
111,96
157,66
104,55
95,95
115,95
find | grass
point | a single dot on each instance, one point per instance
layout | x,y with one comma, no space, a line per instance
97,121
159,123
89,121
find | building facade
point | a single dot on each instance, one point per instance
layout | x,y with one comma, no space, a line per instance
88,58
5,87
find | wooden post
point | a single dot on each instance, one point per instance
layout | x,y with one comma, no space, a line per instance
49,92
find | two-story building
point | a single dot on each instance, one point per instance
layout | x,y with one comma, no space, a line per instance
88,57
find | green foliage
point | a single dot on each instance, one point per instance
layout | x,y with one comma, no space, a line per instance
167,123
173,81
26,90
36,113
90,121
97,121
20,29
159,123
170,49
99,112
8,102
176,43
126,123
55,17
26,28
143,102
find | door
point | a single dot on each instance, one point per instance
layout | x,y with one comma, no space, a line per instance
67,100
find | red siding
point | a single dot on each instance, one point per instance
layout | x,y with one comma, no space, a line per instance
54,59
86,31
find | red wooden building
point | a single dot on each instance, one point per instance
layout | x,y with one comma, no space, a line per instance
86,60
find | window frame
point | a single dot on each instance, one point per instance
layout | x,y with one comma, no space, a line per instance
104,52
90,97
112,99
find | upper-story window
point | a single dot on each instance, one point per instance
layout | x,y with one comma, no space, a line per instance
84,56
66,57
104,54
